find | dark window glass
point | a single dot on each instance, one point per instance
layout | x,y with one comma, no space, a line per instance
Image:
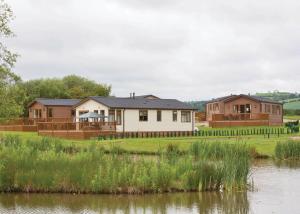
143,115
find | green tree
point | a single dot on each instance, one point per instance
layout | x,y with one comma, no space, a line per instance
12,94
7,58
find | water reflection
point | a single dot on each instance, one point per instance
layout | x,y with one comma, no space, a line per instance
209,202
277,190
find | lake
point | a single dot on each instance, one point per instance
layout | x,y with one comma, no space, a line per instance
276,190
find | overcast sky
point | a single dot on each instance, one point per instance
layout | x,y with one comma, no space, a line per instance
189,50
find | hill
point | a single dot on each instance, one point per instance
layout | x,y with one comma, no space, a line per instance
280,96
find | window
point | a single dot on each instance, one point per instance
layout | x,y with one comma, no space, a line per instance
111,115
248,108
174,116
273,109
83,119
267,108
278,110
185,116
37,113
158,116
96,111
102,113
119,117
236,109
143,115
216,106
73,113
50,113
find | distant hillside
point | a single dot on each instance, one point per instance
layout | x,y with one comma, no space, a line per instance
291,100
294,105
200,105
280,96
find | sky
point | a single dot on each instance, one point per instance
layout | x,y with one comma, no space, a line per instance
188,50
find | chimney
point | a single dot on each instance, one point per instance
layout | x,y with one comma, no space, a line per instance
133,95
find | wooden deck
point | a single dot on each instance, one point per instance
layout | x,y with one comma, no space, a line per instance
235,123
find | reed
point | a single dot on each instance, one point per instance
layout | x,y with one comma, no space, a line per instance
47,166
288,150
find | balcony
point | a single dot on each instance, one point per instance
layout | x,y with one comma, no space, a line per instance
244,119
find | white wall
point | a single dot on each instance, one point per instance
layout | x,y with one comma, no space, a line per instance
90,106
133,124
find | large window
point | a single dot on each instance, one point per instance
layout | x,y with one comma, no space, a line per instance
119,117
143,115
111,115
174,116
185,116
83,119
37,113
274,109
267,108
158,116
50,112
102,113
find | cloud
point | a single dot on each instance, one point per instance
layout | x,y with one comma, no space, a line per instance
189,50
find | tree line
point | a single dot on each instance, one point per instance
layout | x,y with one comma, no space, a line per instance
16,94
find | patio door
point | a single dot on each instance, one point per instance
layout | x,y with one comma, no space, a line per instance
242,109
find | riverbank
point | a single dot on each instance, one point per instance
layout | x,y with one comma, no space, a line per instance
264,198
47,165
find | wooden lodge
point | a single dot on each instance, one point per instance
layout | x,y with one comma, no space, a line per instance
243,110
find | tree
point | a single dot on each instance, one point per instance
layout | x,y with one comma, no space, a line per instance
7,58
12,94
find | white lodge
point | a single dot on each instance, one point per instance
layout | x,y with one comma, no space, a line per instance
140,113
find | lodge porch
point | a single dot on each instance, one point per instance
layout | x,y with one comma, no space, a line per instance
241,119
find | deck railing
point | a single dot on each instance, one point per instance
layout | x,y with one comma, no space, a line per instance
32,121
56,126
237,117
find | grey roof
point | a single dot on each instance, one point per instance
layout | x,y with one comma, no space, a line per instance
257,98
142,103
57,102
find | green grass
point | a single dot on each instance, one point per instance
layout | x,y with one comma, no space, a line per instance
288,150
262,144
292,117
292,105
48,165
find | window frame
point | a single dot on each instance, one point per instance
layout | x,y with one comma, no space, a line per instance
50,111
174,115
158,115
143,115
119,117
188,116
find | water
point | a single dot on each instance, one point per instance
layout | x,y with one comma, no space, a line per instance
277,190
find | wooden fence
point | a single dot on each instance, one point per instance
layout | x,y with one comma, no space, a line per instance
200,117
73,126
202,133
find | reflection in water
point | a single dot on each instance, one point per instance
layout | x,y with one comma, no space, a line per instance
277,190
208,202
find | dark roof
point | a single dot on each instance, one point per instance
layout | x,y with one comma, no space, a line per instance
56,102
140,103
252,97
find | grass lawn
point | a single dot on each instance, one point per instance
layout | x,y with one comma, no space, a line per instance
292,117
263,145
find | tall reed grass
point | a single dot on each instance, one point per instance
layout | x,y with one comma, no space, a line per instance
288,150
47,166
